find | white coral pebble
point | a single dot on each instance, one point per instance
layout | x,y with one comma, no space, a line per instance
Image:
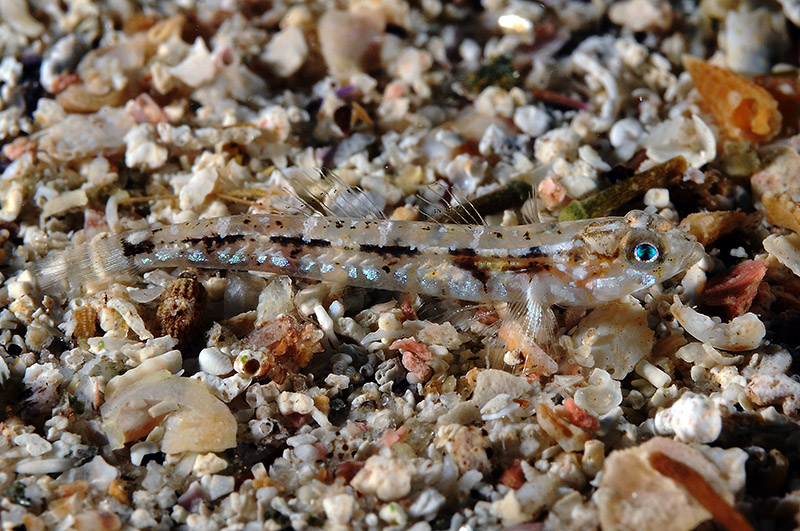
693,419
339,508
388,478
295,403
197,68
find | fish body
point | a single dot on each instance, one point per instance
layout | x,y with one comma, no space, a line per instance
576,263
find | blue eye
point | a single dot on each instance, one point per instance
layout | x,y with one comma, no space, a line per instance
645,252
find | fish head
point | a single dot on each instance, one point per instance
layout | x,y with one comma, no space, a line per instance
620,256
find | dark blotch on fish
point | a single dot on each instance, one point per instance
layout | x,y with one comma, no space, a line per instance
132,249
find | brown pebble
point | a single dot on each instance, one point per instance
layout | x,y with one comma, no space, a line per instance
181,307
85,323
119,492
708,227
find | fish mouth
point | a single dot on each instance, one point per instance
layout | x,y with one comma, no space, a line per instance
694,252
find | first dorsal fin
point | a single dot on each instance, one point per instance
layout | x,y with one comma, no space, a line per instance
438,204
323,192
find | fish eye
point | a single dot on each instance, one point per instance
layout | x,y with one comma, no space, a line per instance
645,252
643,249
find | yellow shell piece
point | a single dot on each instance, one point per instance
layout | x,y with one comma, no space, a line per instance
740,107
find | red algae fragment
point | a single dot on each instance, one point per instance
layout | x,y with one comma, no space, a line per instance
559,100
348,470
733,292
415,357
390,436
513,477
741,107
580,417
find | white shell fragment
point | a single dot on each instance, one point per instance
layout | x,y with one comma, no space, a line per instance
634,496
131,316
602,394
491,383
690,138
785,249
616,337
745,332
274,300
191,418
752,38
704,355
66,201
80,136
16,14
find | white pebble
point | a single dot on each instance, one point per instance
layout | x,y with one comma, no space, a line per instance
217,486
209,463
657,197
388,478
43,466
298,440
557,143
532,120
195,191
141,518
286,52
306,453
427,504
197,67
34,444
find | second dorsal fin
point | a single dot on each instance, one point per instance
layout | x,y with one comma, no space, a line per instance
445,208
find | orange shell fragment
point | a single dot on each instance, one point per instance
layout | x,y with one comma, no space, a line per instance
740,107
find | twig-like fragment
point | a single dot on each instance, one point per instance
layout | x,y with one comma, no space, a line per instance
605,201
